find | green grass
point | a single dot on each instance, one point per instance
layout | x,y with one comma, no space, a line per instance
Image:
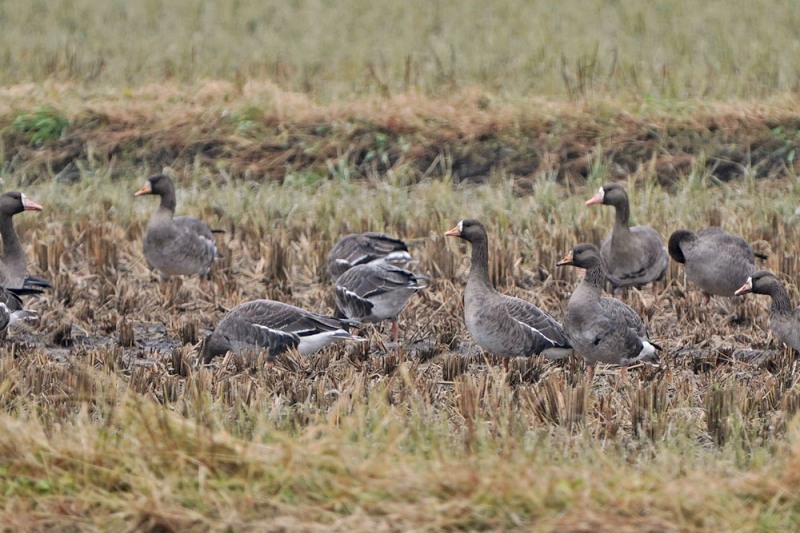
673,49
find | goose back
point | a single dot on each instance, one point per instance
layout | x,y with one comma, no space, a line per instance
376,291
715,260
364,248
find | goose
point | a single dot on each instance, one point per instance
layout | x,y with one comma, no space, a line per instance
500,324
12,309
602,329
13,264
634,256
716,261
783,321
176,246
275,327
375,292
366,248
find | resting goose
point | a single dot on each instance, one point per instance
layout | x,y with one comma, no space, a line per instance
12,309
716,261
365,248
375,292
783,321
634,256
274,327
501,324
602,329
176,246
13,264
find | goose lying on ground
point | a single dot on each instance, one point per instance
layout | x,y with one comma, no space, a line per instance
176,246
274,327
783,321
501,324
13,264
602,329
366,248
716,261
375,292
634,256
11,308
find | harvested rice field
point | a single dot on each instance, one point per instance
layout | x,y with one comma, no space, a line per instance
110,423
285,142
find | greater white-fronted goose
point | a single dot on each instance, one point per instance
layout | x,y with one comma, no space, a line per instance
176,246
634,256
783,321
274,327
503,325
602,329
13,264
11,308
716,261
366,248
375,292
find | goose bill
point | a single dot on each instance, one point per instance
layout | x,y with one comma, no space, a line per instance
747,287
456,231
597,198
146,189
30,205
567,259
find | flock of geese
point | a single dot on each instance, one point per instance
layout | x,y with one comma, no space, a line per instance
372,284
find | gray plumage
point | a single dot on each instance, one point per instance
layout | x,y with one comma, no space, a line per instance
602,329
783,321
13,264
501,324
12,309
634,256
364,248
274,327
716,261
376,292
176,246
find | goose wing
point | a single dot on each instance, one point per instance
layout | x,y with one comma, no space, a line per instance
542,328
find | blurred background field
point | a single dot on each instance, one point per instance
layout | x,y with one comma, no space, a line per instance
344,49
289,124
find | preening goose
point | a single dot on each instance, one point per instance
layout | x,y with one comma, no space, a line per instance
602,329
375,292
501,324
634,256
366,248
274,327
783,321
716,261
13,264
176,246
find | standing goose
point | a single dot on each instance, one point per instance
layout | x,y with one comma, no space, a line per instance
716,261
365,248
13,264
602,329
375,292
634,256
783,322
176,246
275,327
501,324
